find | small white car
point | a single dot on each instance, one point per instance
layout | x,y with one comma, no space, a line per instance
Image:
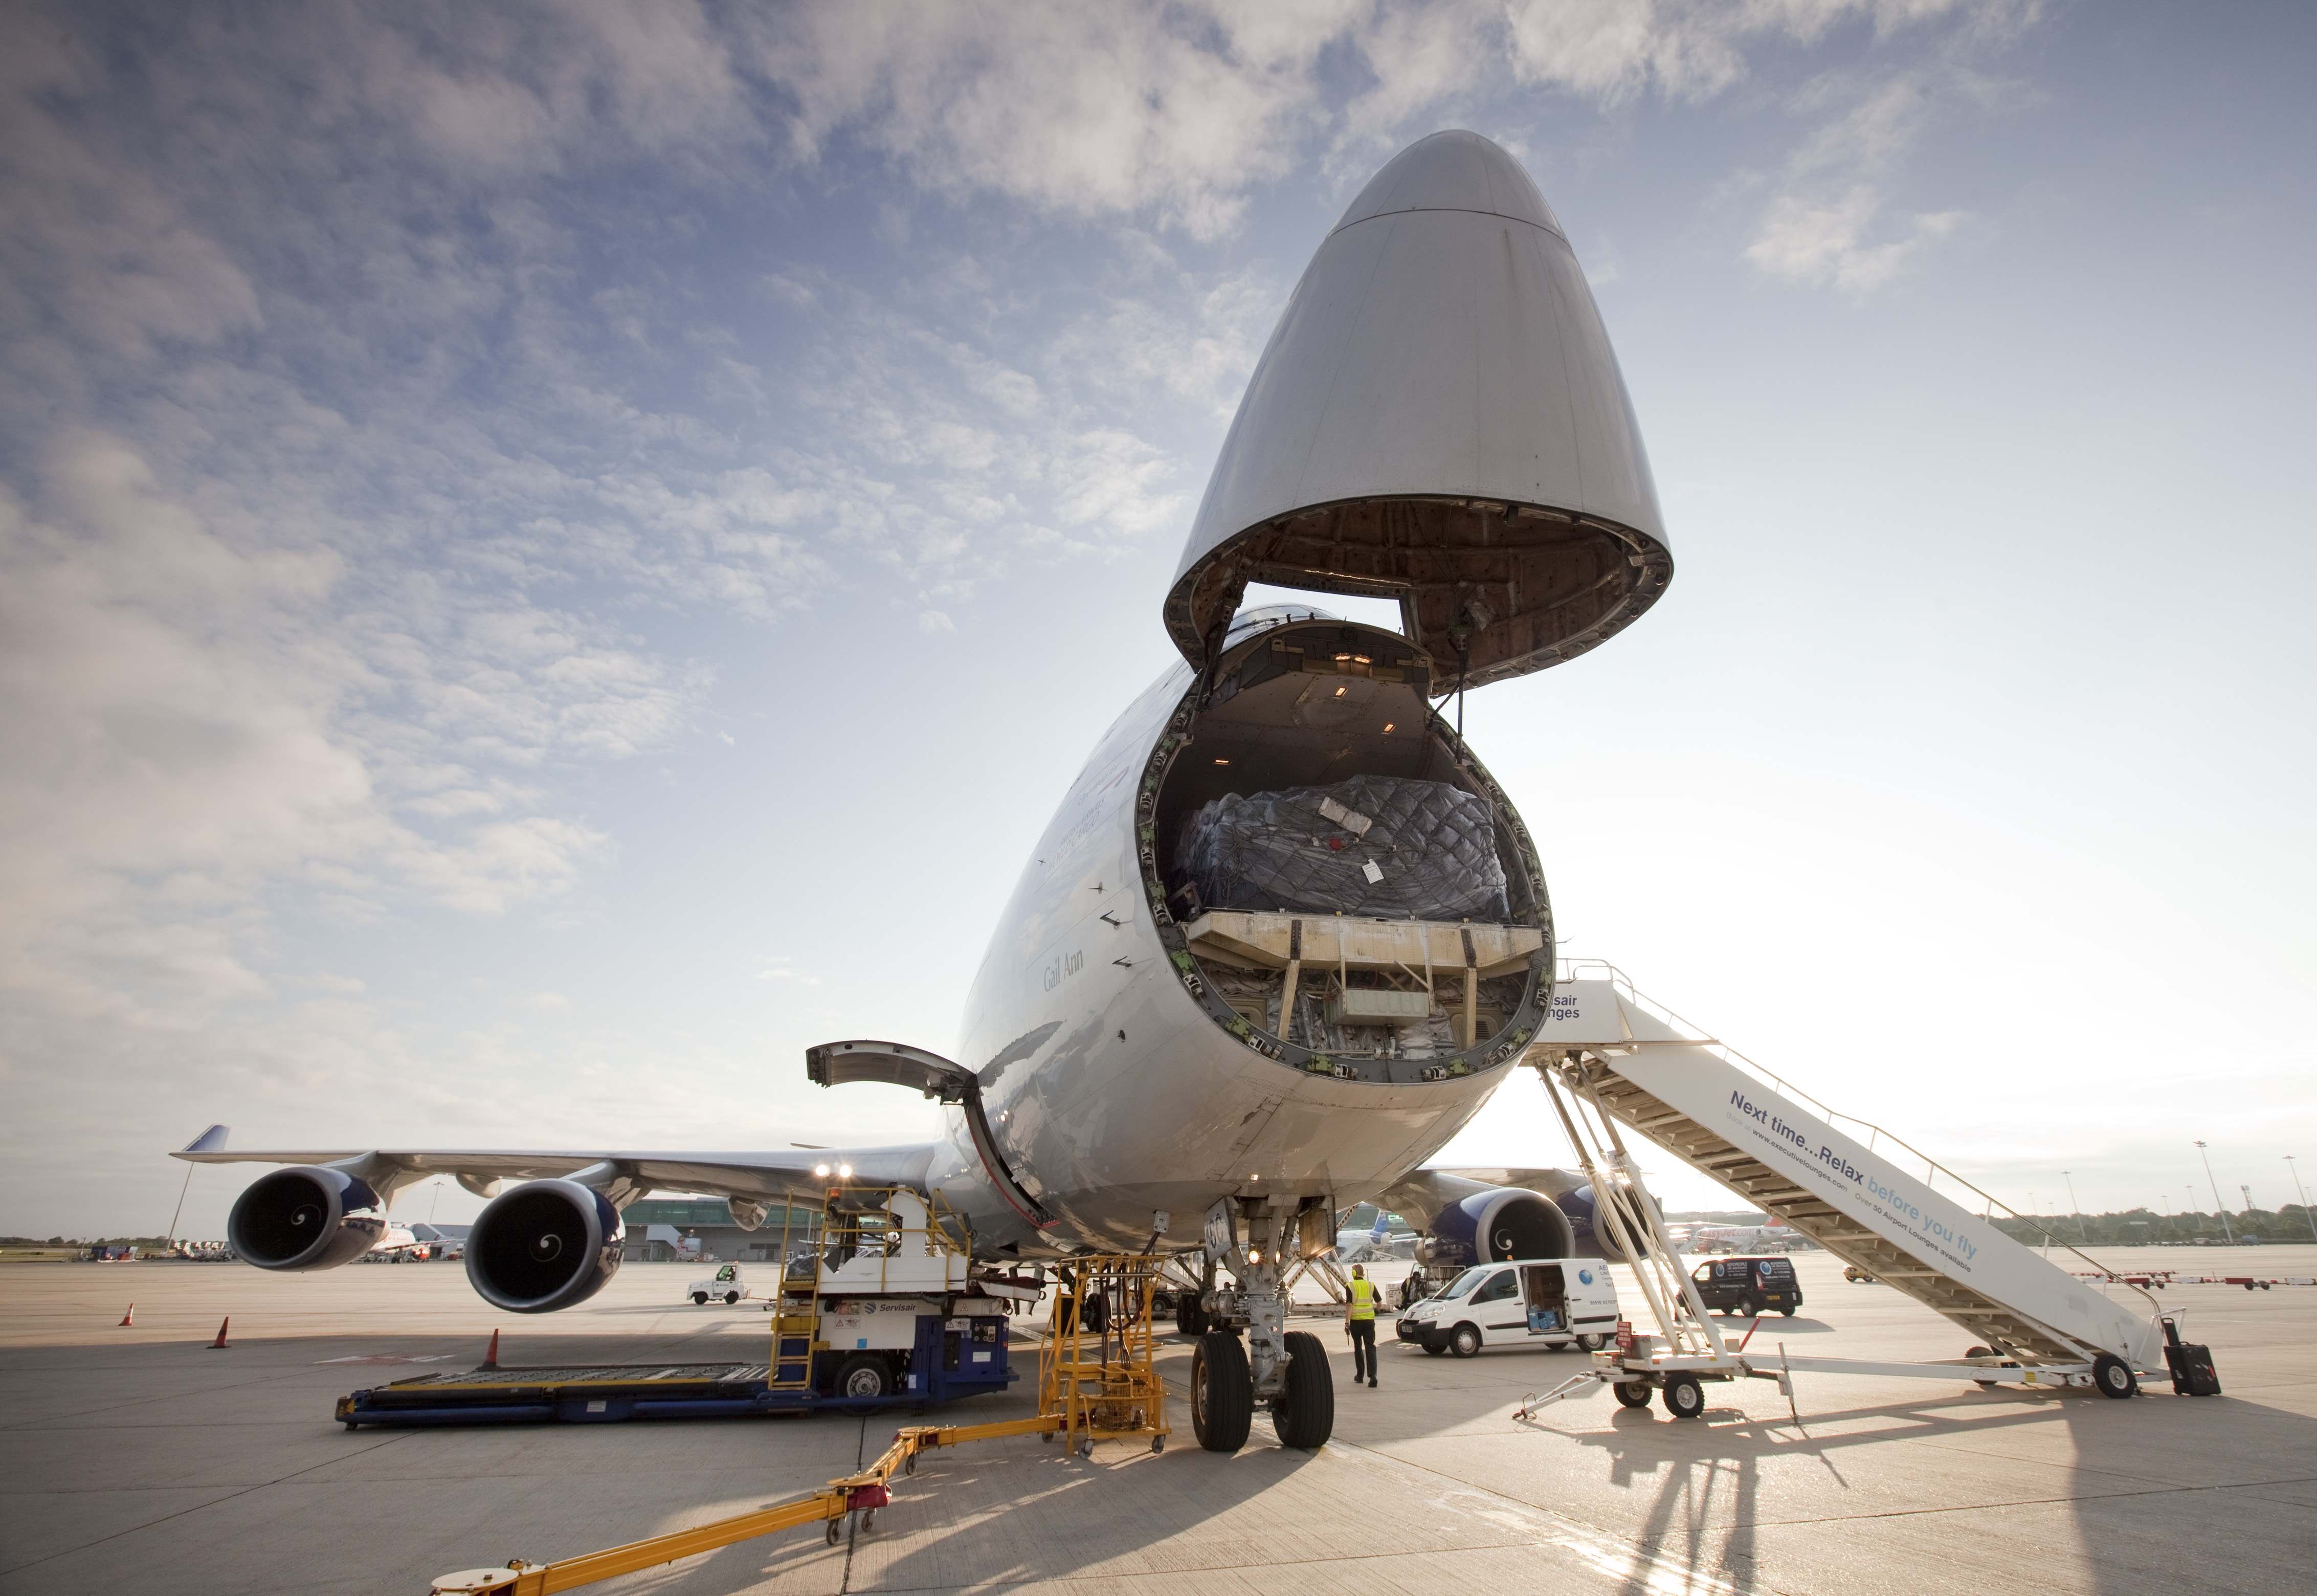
726,1286
1548,1302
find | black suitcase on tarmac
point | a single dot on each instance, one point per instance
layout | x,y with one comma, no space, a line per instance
2191,1366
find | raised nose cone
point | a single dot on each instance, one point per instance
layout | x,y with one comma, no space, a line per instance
1438,418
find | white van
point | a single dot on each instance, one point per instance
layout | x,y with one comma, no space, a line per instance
1555,1302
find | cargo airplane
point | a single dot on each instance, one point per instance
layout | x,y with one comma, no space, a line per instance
1286,934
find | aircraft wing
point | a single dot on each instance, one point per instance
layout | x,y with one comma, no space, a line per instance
719,1174
1552,1182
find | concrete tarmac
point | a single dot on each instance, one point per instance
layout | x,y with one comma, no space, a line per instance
136,1459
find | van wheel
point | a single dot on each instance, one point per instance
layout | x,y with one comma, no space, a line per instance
1684,1398
700,1299
1788,1312
1742,1309
1632,1394
1464,1340
1435,1349
1304,1414
2114,1376
1591,1343
1222,1391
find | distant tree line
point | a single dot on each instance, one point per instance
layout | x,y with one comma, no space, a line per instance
2146,1227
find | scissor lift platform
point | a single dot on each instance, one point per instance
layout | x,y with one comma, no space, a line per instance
890,1315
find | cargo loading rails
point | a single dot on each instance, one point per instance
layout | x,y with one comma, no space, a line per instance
1613,1062
879,1305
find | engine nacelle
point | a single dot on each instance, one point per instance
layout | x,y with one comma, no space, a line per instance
1595,1239
546,1244
1498,1223
305,1217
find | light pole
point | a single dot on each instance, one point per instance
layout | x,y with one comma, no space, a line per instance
2075,1211
2222,1207
2306,1214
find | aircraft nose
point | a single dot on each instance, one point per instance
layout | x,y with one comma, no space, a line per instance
1453,171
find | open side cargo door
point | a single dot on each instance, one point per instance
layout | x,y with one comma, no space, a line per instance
897,1063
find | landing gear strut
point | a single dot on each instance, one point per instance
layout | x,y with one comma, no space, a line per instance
1287,1372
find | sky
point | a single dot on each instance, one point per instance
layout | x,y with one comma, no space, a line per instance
553,557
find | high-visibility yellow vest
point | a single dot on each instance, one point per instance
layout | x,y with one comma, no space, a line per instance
1363,1293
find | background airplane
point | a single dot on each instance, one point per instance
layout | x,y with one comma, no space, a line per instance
1286,934
1377,1243
1734,1238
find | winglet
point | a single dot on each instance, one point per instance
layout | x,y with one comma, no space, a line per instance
212,1139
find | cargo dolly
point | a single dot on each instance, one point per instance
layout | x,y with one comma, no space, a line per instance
1609,1059
886,1308
1097,1381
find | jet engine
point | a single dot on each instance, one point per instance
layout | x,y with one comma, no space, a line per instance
1498,1223
544,1245
306,1217
1595,1238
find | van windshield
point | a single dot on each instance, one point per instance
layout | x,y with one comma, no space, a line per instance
1466,1281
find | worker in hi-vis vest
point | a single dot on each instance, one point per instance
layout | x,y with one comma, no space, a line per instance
1359,1321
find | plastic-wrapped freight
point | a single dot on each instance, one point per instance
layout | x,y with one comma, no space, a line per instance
1374,845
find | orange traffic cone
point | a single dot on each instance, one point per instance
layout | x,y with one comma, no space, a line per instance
491,1355
130,1316
221,1344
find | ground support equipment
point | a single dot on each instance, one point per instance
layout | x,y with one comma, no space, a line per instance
1609,1059
1094,1383
883,1308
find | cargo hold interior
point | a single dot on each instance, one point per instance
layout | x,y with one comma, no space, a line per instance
1343,883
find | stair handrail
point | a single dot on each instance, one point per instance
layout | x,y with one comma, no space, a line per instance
1700,1037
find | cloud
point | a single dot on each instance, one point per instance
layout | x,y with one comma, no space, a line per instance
1825,241
396,393
1829,218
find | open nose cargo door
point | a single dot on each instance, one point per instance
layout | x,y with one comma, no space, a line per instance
1438,418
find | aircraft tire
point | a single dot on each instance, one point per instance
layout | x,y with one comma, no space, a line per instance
1632,1394
1222,1391
1190,1318
2112,1376
1304,1414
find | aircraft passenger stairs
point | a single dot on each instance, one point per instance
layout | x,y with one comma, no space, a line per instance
1731,1120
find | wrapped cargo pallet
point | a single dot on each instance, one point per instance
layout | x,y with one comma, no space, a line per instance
1381,846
